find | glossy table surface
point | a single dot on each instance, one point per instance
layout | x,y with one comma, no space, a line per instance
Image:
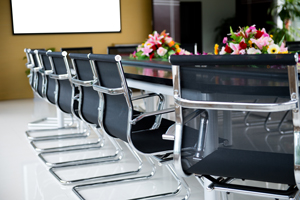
213,79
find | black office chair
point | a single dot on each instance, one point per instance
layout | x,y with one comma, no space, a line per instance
39,84
293,46
82,78
235,162
123,50
66,101
136,129
46,89
89,110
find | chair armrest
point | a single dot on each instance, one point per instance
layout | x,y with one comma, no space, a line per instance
45,72
111,91
83,83
29,66
36,69
48,72
148,114
59,77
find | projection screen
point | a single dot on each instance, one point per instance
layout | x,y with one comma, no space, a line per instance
65,16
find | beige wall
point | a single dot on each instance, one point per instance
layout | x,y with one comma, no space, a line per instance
136,16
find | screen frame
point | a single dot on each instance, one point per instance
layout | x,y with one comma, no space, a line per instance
58,33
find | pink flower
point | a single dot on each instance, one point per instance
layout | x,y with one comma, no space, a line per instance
161,51
261,42
146,50
251,29
235,48
225,39
283,49
155,38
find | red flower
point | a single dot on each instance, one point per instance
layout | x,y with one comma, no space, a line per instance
243,45
228,49
154,47
151,56
258,34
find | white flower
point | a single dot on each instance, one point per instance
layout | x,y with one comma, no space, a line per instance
242,51
253,51
139,48
222,52
187,52
273,48
161,51
168,39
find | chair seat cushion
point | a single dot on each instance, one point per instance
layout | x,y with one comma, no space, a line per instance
251,165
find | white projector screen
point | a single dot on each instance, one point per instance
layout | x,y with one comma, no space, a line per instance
65,16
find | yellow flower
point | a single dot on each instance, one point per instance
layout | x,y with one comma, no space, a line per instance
250,42
177,46
284,52
273,49
216,49
271,36
178,50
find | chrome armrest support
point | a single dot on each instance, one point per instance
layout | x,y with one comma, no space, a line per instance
83,83
170,133
36,69
59,77
111,91
235,106
143,96
147,114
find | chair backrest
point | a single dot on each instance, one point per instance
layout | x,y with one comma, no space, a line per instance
65,90
123,50
49,83
34,64
293,46
222,83
89,99
116,105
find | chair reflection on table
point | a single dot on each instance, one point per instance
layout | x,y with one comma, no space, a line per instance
234,162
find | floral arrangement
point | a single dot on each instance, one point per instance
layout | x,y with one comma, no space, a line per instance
250,40
158,46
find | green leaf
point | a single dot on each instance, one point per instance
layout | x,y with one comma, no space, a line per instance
282,39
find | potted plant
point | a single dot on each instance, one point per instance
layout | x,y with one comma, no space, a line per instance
288,11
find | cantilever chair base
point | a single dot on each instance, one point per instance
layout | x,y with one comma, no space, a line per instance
118,151
98,143
222,186
54,137
180,182
118,157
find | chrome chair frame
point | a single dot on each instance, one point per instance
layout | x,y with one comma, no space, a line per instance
221,184
124,90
